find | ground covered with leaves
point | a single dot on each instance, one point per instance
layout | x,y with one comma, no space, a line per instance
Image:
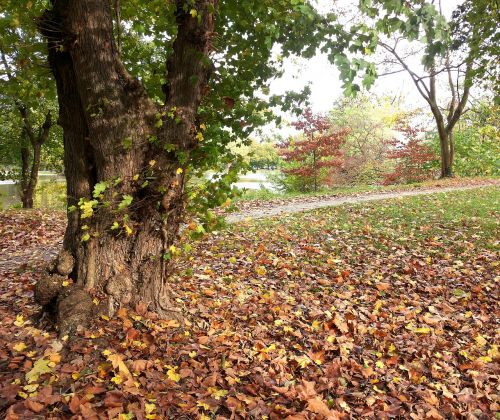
386,309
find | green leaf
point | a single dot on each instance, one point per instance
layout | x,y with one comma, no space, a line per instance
126,201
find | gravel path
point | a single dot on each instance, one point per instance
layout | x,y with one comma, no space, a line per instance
331,202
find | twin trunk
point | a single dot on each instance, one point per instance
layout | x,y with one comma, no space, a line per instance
121,160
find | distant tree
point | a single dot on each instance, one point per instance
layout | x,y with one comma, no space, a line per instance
477,141
258,154
371,121
27,98
408,29
412,156
318,150
475,25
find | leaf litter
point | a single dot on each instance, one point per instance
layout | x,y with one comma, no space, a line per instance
379,310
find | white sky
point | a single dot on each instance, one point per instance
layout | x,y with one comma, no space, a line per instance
324,78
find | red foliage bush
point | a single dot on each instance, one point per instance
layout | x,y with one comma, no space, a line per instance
319,149
413,158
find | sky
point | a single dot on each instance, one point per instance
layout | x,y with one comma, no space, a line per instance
324,78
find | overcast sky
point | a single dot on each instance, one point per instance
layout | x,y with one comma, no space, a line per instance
324,78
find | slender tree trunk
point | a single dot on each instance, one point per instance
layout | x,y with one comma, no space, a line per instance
128,189
29,176
446,156
315,169
25,176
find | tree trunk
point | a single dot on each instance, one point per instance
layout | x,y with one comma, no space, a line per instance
25,175
446,155
315,169
128,189
29,177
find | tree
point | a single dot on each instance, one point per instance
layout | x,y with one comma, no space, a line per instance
319,149
259,154
131,144
413,157
371,121
474,25
426,26
477,141
26,89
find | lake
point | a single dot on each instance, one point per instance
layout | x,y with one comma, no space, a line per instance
51,187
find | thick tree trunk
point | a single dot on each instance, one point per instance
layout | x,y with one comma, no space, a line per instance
128,189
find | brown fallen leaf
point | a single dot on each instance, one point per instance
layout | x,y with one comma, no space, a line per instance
318,406
34,406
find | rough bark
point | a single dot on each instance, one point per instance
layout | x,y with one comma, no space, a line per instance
109,123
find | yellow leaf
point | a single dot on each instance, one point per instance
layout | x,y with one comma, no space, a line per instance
117,380
149,408
422,330
19,347
217,393
118,363
75,376
203,405
379,364
179,171
316,325
152,162
173,375
172,323
106,352
128,229
31,388
481,341
278,322
303,361
19,322
261,270
65,283
199,136
330,339
55,357
193,12
40,367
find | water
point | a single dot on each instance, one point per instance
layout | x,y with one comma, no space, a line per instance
51,187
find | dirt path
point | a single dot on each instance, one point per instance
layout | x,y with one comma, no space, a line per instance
296,207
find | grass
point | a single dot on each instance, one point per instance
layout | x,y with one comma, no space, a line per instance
475,212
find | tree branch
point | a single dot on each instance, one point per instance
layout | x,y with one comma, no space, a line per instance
416,79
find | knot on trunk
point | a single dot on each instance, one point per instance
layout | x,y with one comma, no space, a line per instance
48,288
74,310
65,263
120,287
